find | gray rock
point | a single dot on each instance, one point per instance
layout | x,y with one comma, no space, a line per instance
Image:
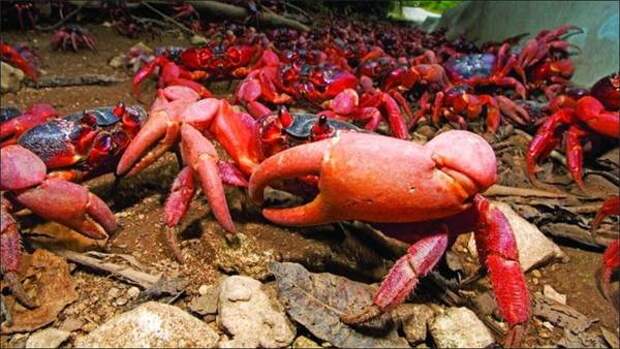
415,319
47,338
207,302
10,78
460,328
305,342
151,325
535,249
247,314
551,293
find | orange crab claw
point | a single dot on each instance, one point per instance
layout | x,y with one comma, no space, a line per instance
591,111
357,190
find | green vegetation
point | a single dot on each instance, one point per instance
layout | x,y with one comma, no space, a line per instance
432,6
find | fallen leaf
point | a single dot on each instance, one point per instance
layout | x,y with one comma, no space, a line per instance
317,301
54,291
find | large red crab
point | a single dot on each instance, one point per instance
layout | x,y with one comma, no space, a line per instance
186,66
37,171
596,113
421,194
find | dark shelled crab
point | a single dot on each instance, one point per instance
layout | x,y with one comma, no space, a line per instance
72,36
38,172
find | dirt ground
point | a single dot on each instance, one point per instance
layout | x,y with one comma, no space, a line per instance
138,205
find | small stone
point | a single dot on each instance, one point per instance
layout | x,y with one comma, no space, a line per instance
544,334
198,40
207,303
551,293
133,292
305,342
460,328
10,78
71,324
535,281
251,318
548,325
121,301
151,324
415,318
114,293
202,290
140,216
47,338
536,273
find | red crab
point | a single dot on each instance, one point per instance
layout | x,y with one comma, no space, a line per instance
611,257
72,36
22,58
36,172
217,61
178,115
597,113
421,194
13,123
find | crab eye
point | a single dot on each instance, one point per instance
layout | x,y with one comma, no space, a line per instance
119,110
285,118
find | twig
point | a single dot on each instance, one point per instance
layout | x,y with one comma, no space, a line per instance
65,81
168,18
298,9
124,273
501,190
67,17
239,13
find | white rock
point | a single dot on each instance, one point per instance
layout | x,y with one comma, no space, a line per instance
151,325
47,338
551,293
460,328
10,78
250,317
535,248
133,292
202,290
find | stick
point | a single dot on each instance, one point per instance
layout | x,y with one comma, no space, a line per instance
239,13
501,190
67,17
168,18
66,81
124,273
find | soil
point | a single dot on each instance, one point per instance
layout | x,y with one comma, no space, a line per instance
138,205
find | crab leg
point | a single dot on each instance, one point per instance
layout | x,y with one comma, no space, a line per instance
176,206
574,153
37,114
611,263
591,111
546,139
497,249
202,158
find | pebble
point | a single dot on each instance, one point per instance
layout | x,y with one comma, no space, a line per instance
121,301
246,312
71,324
415,318
551,293
202,290
305,342
535,281
460,328
114,293
544,334
133,292
47,338
536,273
548,325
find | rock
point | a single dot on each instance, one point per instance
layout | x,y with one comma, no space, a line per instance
536,273
535,249
551,293
202,290
141,47
198,40
47,338
120,301
151,325
118,61
207,303
10,78
415,318
247,258
305,342
250,317
113,293
71,324
460,328
133,292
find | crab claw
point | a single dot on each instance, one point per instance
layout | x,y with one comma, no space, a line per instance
37,114
456,164
202,157
591,111
545,140
611,263
72,205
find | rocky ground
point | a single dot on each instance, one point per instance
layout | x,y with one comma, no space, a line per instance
279,287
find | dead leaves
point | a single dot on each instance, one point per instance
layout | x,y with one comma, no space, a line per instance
54,291
317,301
